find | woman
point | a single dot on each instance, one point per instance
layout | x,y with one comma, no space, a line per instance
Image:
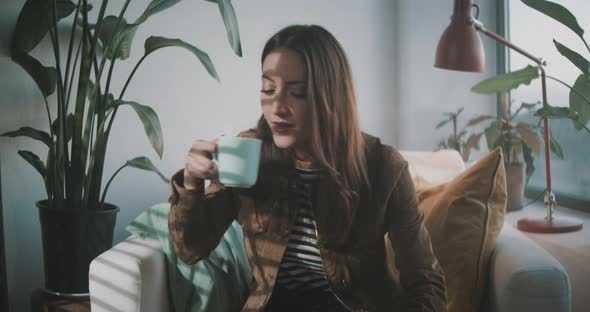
332,205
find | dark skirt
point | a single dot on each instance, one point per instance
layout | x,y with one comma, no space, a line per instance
285,300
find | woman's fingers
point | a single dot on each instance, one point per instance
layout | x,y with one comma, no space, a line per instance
203,147
199,166
198,161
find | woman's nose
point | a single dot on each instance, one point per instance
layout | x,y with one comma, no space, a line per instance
279,105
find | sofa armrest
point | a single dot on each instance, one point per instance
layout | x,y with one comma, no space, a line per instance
525,277
129,277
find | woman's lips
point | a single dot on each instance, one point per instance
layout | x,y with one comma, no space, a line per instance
282,127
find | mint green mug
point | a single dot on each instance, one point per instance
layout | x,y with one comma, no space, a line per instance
238,160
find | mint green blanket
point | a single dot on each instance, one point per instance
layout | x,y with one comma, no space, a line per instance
216,284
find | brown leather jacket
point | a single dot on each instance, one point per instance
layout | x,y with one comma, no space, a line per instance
387,263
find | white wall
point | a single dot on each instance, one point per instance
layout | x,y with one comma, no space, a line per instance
390,44
425,92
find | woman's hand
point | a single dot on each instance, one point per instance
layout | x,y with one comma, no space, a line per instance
199,164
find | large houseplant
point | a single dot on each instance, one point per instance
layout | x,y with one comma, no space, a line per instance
578,109
77,224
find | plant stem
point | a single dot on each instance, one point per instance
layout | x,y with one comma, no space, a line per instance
131,76
519,109
62,111
585,43
96,170
48,117
115,109
456,139
107,46
73,70
79,151
59,159
70,48
571,88
104,194
47,177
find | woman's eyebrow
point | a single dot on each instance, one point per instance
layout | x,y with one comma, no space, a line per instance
294,82
290,82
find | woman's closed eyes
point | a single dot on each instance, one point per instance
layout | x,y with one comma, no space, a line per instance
297,95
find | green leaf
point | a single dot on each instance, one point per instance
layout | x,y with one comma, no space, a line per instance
556,12
88,8
473,141
528,160
492,132
34,20
528,105
529,136
154,42
90,93
145,163
578,103
231,25
70,122
556,148
31,133
107,31
151,124
442,123
34,160
516,150
508,81
479,119
154,7
554,112
574,57
461,134
44,77
122,39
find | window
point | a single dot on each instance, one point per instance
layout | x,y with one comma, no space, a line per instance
534,32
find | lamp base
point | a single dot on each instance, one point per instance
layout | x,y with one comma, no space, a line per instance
555,225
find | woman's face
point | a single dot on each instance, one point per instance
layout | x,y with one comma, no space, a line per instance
284,98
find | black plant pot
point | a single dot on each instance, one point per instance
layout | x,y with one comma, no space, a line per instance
71,240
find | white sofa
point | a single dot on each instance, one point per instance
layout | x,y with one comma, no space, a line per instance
131,277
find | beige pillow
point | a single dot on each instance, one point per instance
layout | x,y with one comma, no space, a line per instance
464,217
431,168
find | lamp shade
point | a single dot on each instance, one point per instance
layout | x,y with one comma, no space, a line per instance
460,47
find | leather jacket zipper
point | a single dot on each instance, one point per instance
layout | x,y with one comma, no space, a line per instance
326,275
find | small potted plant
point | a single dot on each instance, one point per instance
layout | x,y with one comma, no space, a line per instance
519,141
458,140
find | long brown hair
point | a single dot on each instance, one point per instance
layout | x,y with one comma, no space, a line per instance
336,140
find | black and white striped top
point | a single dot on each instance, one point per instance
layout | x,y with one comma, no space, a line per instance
301,267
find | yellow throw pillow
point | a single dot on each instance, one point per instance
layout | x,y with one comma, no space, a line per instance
464,217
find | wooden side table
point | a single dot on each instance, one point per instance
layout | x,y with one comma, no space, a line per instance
45,301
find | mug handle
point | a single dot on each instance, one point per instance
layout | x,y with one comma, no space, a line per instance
215,155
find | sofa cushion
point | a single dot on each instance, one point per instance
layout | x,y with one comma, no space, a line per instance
431,168
464,217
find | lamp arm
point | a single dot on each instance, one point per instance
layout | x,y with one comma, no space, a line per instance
479,27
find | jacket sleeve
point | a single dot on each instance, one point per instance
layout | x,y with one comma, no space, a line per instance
199,218
421,276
